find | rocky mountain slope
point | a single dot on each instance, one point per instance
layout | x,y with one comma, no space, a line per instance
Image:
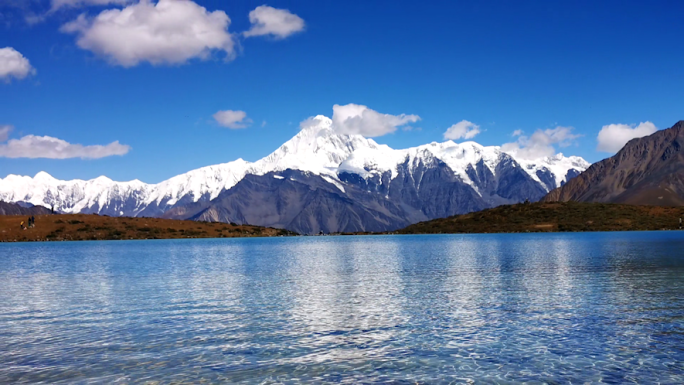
646,171
16,209
322,174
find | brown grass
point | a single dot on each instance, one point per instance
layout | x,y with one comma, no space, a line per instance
555,217
81,227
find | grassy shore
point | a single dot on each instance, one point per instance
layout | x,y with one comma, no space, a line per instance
555,217
520,218
80,227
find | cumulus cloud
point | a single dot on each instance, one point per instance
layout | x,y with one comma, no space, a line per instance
517,133
279,23
14,65
57,4
31,146
357,119
463,129
4,132
541,144
613,137
168,32
232,119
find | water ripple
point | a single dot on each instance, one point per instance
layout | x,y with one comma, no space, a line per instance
411,309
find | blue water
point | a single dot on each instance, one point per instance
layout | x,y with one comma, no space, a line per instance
557,308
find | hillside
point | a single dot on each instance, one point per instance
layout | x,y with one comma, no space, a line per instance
81,227
15,209
646,171
552,217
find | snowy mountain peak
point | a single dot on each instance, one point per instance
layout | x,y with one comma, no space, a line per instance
316,148
316,123
43,176
102,180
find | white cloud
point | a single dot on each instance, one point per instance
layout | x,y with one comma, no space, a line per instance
357,119
463,129
168,32
32,18
517,133
57,4
613,137
4,132
31,146
541,143
280,23
312,121
14,65
232,119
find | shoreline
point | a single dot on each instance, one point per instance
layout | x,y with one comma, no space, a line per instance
335,235
569,217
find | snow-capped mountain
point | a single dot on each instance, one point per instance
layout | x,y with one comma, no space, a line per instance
343,161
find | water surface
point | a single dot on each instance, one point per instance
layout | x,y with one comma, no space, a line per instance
401,309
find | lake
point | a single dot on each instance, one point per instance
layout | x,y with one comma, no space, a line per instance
501,308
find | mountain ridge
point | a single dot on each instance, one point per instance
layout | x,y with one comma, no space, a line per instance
646,171
16,209
356,167
333,154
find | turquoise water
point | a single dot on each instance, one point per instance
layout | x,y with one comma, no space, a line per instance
400,309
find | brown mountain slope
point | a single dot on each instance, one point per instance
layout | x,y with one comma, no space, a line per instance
646,171
15,209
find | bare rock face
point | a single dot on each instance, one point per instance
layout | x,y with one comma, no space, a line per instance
647,171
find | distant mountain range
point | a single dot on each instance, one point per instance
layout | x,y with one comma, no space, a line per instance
319,181
646,171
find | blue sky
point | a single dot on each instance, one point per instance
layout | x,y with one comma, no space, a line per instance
504,66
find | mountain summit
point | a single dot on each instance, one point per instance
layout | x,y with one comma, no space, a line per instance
363,185
646,171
